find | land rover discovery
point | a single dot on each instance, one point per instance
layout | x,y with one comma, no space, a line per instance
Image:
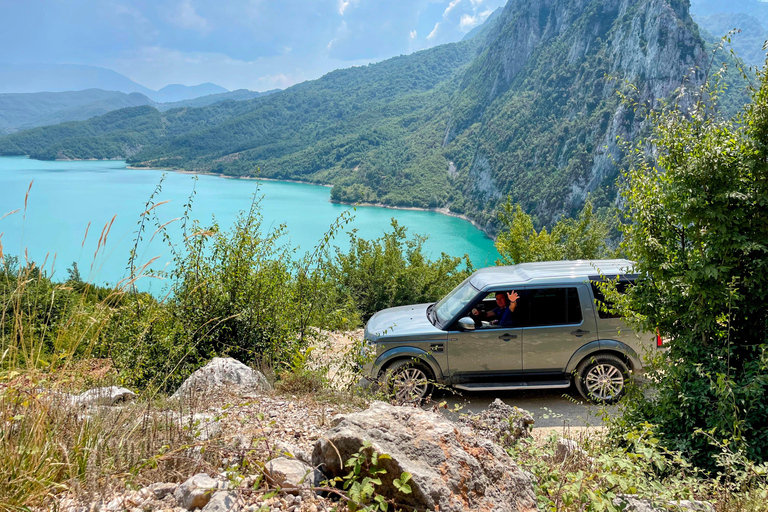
556,336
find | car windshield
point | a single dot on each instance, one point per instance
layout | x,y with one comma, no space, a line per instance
455,301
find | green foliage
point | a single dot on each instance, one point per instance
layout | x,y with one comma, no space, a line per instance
571,239
364,478
698,215
591,479
393,270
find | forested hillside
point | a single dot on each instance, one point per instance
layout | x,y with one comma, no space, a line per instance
527,108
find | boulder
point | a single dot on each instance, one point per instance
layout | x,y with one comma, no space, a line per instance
221,374
103,396
452,468
196,492
501,423
290,473
223,501
631,503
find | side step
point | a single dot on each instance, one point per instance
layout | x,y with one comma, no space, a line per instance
510,386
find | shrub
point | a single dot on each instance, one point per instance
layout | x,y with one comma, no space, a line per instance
392,271
698,215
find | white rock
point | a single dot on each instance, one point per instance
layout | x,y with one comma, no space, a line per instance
103,396
285,472
223,501
567,449
196,492
222,373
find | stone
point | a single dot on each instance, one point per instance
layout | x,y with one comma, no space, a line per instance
196,492
223,501
567,449
452,468
501,423
162,489
220,374
631,503
110,395
290,473
292,451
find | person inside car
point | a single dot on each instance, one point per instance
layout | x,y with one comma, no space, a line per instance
502,314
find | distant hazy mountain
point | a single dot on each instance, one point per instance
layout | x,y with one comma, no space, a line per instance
718,17
238,95
29,78
28,110
17,78
178,92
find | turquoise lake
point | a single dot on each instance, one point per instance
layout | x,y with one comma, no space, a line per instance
66,196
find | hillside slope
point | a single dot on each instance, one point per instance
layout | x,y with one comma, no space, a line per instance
529,109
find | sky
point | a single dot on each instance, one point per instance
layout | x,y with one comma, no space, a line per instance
250,44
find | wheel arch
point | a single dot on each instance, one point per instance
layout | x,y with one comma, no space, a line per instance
394,355
608,347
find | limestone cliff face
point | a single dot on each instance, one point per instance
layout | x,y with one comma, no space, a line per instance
539,105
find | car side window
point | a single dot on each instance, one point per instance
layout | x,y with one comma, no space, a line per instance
604,306
550,306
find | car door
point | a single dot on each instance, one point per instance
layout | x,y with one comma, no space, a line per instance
488,354
557,321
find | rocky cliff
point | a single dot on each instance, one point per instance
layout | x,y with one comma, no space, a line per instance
539,107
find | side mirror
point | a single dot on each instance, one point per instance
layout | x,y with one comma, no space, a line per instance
466,324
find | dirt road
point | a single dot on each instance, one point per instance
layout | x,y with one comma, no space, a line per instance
550,408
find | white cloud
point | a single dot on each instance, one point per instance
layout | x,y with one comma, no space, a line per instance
434,31
344,4
187,17
450,7
468,22
341,32
412,34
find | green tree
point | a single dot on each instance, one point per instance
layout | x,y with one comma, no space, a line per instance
392,271
571,239
698,230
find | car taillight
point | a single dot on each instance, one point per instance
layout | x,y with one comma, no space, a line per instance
658,339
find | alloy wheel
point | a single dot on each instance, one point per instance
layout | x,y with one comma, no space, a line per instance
410,384
604,382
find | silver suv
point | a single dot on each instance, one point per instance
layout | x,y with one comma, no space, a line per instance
556,335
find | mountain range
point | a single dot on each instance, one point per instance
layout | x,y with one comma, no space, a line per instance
33,78
20,111
528,108
749,17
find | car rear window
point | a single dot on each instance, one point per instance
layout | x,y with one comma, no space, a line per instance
550,306
600,300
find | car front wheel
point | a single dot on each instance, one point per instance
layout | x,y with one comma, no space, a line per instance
409,381
602,378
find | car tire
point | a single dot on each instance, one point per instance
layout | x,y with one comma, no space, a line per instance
408,381
602,378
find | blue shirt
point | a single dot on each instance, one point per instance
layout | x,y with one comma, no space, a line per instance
504,316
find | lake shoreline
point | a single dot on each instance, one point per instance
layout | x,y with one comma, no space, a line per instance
443,210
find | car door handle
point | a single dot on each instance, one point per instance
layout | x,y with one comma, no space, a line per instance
579,333
507,337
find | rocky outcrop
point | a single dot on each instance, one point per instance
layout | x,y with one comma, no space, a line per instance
452,468
221,374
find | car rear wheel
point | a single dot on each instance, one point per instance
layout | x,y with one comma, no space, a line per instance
409,381
602,378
